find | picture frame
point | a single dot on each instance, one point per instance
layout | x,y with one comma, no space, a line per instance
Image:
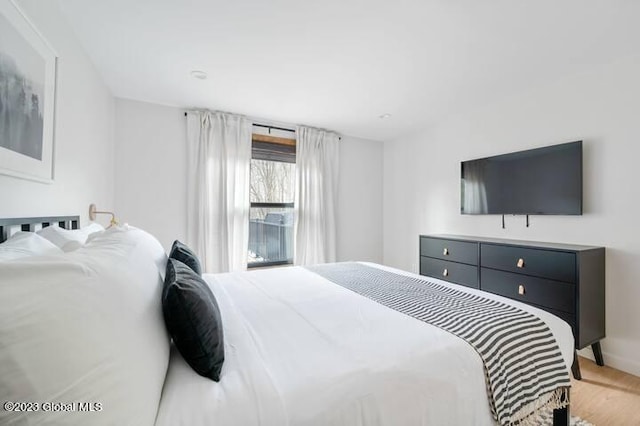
28,72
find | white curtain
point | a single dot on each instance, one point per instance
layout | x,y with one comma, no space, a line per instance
219,152
316,196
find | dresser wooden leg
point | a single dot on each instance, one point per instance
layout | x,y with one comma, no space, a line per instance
575,367
597,353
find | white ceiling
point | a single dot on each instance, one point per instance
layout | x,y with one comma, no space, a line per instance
340,64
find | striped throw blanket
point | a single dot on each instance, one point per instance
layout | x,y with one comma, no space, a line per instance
524,369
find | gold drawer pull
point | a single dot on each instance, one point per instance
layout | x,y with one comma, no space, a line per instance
520,263
521,290
445,251
445,273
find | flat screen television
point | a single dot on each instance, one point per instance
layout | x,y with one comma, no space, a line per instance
541,181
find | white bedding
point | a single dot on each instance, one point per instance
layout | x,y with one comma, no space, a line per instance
301,350
84,328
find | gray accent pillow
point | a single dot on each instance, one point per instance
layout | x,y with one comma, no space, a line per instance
184,254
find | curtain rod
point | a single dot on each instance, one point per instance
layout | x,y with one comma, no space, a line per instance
274,127
265,126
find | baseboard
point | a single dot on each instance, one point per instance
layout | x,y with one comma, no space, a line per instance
619,363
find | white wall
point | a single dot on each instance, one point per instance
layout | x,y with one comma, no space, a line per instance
601,106
83,151
360,200
151,180
151,163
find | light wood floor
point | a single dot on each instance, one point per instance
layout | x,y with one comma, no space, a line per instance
606,396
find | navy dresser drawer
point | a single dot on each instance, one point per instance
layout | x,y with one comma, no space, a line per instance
455,251
532,290
555,265
454,272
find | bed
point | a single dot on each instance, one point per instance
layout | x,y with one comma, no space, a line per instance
299,350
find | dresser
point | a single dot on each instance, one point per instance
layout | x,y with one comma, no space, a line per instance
564,279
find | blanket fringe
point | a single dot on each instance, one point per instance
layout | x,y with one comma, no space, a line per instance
531,414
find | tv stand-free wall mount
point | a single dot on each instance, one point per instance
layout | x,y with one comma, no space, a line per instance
527,221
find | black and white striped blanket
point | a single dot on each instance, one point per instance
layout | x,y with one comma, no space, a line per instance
524,369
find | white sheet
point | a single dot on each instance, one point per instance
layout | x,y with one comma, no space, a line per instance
301,350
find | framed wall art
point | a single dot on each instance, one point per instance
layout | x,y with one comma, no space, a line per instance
27,97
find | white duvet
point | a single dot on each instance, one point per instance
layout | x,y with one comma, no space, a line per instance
301,350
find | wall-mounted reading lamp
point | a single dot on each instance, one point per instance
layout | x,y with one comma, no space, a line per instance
93,212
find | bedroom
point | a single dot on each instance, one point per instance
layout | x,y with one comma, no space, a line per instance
460,81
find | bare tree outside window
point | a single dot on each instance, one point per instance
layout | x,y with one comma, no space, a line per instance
271,182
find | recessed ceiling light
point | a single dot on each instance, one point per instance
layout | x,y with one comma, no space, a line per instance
383,116
200,75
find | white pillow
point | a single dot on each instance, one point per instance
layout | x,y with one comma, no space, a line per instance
86,327
69,239
25,244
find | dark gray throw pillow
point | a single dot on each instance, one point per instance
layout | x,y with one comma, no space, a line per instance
184,254
193,320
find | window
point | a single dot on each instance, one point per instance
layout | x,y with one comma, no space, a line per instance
273,162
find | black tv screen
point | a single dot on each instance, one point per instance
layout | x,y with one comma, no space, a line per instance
545,181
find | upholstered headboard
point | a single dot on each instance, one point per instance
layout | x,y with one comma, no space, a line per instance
30,224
